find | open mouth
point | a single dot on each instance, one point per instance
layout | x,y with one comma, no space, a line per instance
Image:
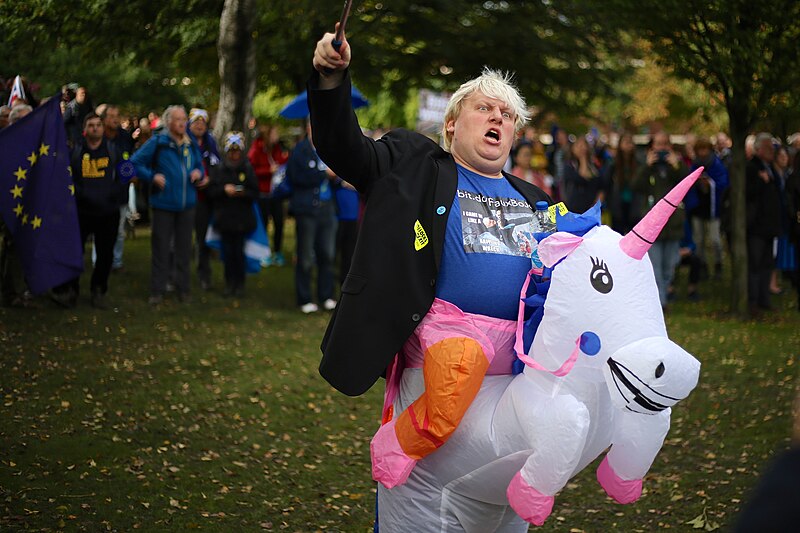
633,389
493,134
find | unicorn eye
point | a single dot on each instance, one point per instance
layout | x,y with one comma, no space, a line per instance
600,277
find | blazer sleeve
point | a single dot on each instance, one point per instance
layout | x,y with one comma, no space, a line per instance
354,157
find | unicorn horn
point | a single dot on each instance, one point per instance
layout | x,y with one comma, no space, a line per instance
637,241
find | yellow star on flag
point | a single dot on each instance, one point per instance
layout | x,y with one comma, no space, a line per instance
44,149
36,222
18,210
32,158
72,189
24,219
21,173
16,192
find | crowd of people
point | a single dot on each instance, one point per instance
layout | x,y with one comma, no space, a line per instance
182,180
169,172
628,178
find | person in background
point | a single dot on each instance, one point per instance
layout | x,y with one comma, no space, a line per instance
233,189
348,210
201,136
703,203
785,257
624,203
267,155
792,195
4,112
583,184
763,200
140,136
122,143
663,171
722,148
314,208
74,114
530,164
558,155
19,111
99,192
174,166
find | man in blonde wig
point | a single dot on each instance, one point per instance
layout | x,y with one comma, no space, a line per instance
433,289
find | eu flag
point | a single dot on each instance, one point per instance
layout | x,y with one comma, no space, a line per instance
37,198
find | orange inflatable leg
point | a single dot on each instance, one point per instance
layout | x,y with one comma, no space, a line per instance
453,371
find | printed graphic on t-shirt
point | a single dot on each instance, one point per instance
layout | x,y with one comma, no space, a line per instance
496,225
93,167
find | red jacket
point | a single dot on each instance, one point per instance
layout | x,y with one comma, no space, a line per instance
264,163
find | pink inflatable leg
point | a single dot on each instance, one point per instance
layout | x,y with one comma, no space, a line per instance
530,504
623,491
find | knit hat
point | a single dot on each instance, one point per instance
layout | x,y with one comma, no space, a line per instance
196,113
233,139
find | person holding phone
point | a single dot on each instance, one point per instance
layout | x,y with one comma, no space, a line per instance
234,189
662,172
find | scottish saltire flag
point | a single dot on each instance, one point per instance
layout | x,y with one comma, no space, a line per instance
17,91
37,197
256,246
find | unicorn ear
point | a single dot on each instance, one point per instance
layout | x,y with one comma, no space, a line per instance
557,246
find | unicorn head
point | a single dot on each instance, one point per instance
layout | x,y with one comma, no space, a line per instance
602,311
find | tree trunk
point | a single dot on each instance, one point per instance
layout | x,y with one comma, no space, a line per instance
738,216
237,66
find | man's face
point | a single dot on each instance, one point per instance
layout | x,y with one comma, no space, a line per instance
198,128
765,151
482,133
80,94
177,122
111,120
234,155
93,130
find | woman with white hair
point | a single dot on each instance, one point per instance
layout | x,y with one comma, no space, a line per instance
173,165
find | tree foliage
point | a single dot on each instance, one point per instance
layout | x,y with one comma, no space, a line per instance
744,51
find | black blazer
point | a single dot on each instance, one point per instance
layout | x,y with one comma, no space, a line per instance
406,178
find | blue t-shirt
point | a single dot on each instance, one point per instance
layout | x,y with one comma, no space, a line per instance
487,246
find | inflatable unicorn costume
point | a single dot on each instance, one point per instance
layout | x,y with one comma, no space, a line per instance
600,374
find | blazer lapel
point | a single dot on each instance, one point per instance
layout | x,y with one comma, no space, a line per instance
445,191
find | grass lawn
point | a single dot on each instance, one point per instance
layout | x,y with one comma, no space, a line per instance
212,416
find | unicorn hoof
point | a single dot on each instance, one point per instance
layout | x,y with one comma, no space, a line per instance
530,504
623,491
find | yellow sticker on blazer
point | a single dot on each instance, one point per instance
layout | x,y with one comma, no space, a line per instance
242,177
421,239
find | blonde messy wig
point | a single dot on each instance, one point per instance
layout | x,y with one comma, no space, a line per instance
494,84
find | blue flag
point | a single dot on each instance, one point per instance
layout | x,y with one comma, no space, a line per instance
37,198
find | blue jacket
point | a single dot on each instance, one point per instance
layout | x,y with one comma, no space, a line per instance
719,175
306,177
162,155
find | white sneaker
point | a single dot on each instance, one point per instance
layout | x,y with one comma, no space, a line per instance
329,304
310,307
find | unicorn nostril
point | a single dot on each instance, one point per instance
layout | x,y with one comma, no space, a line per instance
660,370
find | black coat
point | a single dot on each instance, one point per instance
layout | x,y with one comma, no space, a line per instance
407,179
763,200
233,213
